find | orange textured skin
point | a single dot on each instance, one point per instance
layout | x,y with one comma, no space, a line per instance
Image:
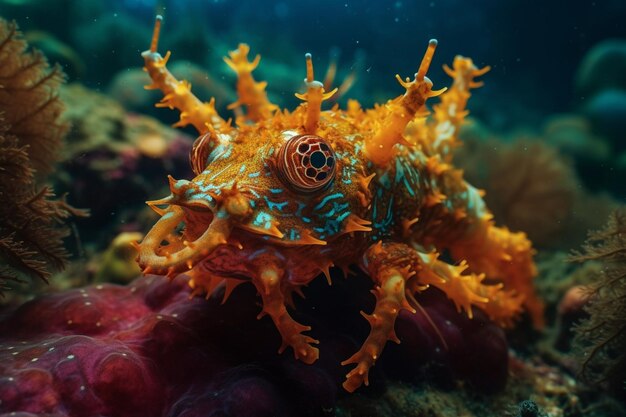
395,204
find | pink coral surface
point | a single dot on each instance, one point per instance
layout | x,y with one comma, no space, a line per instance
147,350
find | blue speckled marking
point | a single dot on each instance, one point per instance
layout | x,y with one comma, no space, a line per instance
272,204
343,216
216,153
263,219
276,190
242,169
254,174
327,199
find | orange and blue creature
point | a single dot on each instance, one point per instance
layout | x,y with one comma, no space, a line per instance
282,196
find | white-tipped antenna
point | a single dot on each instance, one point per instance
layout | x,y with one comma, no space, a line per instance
155,34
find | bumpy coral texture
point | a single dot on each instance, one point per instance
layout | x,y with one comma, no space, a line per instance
31,134
146,350
281,196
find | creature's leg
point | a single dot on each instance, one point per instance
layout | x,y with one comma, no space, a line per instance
268,284
505,256
390,266
399,271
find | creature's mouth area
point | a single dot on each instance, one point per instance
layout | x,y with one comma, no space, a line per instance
182,237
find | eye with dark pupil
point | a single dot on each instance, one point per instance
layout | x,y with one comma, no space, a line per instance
318,159
306,163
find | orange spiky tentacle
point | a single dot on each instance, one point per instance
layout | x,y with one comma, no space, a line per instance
251,94
399,112
390,299
503,255
314,96
268,282
399,271
177,94
451,112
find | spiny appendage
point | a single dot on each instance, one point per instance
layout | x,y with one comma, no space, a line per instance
314,96
252,94
505,256
468,290
390,299
268,284
389,267
203,282
177,94
451,112
399,112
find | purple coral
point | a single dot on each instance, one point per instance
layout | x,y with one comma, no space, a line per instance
146,350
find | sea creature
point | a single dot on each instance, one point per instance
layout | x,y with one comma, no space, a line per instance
281,196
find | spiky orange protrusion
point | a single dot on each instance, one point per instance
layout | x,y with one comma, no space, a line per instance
451,112
178,93
252,94
268,284
399,112
314,96
505,256
356,224
390,299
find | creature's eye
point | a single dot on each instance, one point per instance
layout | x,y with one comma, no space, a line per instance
200,152
306,163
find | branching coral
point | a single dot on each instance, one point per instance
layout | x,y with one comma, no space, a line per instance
602,337
30,137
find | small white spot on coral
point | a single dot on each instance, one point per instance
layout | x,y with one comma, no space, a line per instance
99,287
11,378
14,353
34,359
87,303
85,295
51,349
160,317
133,289
82,388
70,322
11,347
70,357
98,324
175,315
124,354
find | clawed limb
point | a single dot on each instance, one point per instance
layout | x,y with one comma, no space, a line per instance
268,284
398,272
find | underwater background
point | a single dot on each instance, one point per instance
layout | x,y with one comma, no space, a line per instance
83,332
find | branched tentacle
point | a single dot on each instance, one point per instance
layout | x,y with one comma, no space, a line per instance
399,271
177,94
268,284
251,93
400,111
390,299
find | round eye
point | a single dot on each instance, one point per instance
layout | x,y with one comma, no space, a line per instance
199,155
306,163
